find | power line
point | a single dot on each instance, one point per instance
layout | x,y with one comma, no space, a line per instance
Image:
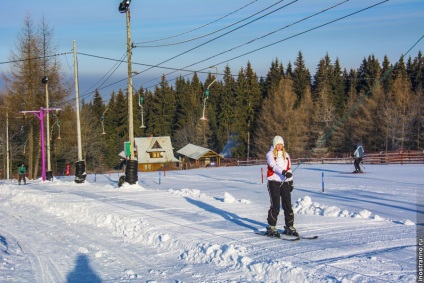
111,71
233,24
191,49
303,32
34,58
279,41
205,25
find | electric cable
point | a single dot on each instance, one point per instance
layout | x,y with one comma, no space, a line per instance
279,41
111,71
191,49
34,58
218,30
205,25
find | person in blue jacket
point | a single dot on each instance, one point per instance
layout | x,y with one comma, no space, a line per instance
358,155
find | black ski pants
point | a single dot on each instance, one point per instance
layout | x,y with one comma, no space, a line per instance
279,194
22,177
356,163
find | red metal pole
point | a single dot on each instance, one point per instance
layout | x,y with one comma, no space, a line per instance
41,118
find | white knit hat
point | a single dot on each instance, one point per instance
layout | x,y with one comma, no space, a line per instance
277,140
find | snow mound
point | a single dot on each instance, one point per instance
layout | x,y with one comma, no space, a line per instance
189,193
408,222
276,271
307,206
221,255
134,187
228,198
129,274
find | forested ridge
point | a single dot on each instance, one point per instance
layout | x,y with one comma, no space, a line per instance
317,113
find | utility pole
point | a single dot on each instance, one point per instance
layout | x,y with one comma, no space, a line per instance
49,175
131,170
77,102
130,88
80,173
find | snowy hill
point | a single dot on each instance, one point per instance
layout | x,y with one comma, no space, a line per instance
198,226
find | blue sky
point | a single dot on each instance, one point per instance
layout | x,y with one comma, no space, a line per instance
389,28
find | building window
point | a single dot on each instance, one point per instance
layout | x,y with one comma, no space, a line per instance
155,154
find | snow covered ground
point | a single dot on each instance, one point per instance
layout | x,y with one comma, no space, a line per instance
198,226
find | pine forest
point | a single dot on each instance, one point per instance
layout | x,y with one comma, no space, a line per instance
319,112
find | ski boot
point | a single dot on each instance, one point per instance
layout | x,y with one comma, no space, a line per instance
271,231
290,231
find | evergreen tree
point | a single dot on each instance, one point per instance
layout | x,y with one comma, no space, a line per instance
388,75
273,78
254,103
369,74
241,116
337,85
301,77
164,109
215,88
225,108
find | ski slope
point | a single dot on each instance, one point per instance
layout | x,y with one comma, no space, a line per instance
198,226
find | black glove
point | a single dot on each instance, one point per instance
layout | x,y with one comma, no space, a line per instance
291,186
287,174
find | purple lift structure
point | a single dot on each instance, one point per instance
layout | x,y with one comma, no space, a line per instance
40,115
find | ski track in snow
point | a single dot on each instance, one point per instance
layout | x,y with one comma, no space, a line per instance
72,220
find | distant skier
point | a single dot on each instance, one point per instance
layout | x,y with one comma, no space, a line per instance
280,185
22,171
358,154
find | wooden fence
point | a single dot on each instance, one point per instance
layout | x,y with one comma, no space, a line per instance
398,157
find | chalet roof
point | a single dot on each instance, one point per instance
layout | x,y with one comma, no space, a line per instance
161,144
196,152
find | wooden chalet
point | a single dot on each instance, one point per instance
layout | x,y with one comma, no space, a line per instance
194,156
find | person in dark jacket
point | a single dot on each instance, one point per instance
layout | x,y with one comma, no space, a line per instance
358,155
22,172
280,186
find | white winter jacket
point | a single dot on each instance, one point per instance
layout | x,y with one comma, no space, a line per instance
276,165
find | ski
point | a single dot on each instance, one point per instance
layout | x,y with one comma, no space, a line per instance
308,237
287,237
282,236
